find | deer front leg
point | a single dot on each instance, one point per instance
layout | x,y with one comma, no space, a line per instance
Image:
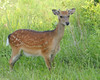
48,62
54,53
52,59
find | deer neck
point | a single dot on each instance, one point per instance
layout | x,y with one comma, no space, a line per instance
59,31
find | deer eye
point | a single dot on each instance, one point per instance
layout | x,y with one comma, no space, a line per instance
61,16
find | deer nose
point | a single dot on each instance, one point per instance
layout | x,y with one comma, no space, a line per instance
67,23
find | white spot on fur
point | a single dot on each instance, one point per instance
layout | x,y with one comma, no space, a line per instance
46,42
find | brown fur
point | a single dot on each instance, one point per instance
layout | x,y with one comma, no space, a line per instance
63,12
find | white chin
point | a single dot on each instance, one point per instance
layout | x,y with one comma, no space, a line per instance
64,24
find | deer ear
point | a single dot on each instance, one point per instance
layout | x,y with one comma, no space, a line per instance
55,12
71,11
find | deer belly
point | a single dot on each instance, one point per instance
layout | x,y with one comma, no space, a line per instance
33,53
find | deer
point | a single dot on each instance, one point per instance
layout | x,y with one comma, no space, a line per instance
39,43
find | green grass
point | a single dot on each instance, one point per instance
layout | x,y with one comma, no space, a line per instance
79,57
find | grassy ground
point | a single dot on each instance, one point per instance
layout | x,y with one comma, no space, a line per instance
79,57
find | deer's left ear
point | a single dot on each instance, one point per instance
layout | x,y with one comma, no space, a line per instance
71,11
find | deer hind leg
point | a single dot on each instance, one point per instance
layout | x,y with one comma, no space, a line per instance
14,57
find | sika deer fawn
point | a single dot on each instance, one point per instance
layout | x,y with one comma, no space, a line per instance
45,44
